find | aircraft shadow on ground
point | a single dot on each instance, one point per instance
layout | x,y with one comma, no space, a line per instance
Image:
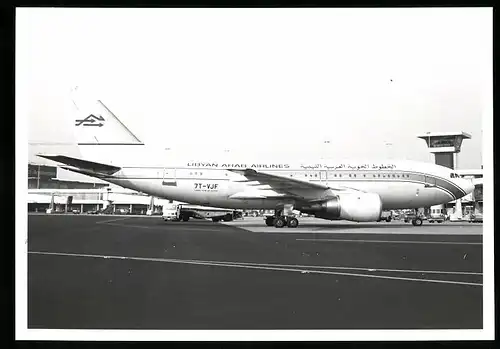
354,225
336,226
341,225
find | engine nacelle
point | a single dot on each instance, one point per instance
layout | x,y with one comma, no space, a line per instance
359,207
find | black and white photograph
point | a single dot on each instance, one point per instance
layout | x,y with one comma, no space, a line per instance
254,174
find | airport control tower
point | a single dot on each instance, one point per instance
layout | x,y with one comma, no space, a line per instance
445,146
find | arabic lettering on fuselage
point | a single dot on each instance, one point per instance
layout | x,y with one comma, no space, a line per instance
349,166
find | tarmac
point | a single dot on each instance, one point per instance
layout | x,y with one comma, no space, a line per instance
136,272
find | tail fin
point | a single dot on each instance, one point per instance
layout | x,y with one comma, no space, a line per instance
95,124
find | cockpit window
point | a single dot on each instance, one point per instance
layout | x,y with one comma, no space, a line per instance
454,175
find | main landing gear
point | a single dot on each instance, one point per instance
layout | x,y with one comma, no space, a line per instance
279,220
417,221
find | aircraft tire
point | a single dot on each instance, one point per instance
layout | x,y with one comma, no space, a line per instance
215,220
227,218
280,222
185,218
388,219
270,221
292,222
417,222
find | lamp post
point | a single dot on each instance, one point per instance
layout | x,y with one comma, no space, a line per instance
38,178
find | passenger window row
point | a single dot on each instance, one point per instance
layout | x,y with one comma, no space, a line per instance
351,175
354,175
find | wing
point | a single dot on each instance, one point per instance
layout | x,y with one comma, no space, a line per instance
278,182
263,184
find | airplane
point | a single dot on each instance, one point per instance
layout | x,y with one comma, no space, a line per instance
329,189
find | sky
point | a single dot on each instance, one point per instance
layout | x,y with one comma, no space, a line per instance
272,82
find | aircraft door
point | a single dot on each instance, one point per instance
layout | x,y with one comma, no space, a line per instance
169,177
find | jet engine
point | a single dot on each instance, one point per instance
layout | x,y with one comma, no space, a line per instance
359,207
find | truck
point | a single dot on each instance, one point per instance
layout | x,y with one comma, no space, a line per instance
182,212
437,214
476,217
170,212
418,218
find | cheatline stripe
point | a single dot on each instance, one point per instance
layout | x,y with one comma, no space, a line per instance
453,194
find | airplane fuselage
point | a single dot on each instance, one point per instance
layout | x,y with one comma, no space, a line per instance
399,184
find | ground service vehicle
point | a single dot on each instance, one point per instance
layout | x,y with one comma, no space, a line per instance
415,219
182,212
385,216
437,215
476,217
170,212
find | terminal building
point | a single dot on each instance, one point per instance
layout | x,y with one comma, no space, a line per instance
47,190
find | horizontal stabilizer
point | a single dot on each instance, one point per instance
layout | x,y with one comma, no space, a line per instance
85,166
86,172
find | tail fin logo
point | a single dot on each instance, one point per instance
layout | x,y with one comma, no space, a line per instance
91,120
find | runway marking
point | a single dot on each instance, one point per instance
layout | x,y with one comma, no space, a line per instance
353,268
250,266
113,220
396,241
